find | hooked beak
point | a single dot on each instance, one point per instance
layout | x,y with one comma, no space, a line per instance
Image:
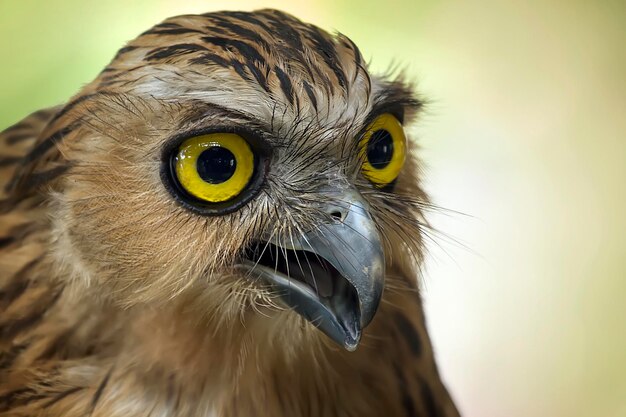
332,276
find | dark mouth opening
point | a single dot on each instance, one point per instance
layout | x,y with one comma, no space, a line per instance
307,268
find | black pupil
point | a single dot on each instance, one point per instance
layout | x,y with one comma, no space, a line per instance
216,165
380,149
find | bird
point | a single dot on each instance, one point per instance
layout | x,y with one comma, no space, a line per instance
227,221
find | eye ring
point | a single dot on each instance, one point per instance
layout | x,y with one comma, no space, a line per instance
221,175
382,150
214,173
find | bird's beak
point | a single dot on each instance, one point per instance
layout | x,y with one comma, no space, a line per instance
334,275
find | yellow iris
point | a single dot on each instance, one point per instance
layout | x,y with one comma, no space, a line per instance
383,150
214,167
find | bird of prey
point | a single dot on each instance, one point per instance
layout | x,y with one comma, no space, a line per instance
226,222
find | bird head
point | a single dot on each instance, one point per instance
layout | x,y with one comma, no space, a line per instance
247,163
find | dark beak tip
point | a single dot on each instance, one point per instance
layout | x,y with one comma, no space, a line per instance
351,344
352,335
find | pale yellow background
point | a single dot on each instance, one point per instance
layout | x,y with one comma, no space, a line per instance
525,134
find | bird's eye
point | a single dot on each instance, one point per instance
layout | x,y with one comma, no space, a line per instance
383,149
214,173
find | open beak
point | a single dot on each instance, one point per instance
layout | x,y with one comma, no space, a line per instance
334,275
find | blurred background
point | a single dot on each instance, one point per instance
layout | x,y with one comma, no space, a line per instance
524,137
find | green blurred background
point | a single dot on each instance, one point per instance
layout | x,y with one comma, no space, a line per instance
525,134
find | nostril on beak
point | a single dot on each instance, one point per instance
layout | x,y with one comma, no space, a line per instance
337,215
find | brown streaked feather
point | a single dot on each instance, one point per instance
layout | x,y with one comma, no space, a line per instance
18,140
